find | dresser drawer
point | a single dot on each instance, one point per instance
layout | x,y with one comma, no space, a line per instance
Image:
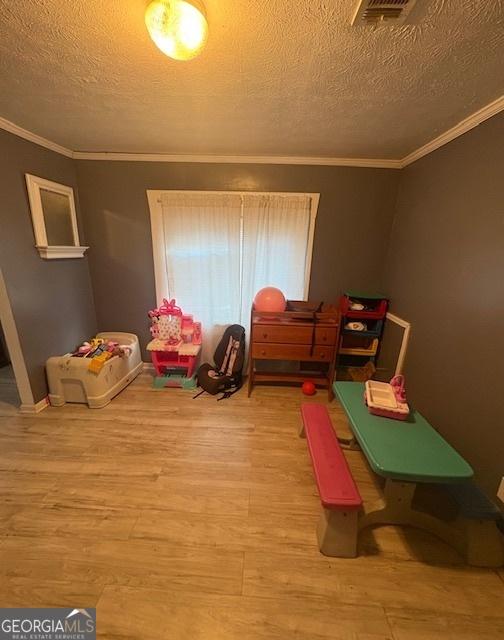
282,334
325,335
266,351
322,354
280,351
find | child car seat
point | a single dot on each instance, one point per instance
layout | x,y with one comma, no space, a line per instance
225,376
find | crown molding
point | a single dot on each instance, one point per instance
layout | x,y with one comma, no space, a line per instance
383,163
459,129
9,126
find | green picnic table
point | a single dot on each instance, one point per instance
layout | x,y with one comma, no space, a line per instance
407,453
410,450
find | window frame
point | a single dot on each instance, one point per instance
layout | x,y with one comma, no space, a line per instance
157,232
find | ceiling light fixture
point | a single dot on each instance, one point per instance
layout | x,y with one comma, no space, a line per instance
177,27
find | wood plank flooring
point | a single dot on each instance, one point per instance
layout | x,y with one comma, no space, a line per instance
195,519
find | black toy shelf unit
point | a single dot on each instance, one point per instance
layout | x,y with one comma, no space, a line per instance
362,320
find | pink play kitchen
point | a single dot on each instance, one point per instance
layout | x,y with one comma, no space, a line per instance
175,345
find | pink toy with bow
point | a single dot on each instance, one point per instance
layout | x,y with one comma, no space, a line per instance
167,322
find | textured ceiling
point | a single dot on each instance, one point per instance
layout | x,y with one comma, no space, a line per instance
277,78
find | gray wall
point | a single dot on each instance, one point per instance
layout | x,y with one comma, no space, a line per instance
352,230
445,274
51,299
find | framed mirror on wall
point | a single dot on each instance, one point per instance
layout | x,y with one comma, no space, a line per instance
54,219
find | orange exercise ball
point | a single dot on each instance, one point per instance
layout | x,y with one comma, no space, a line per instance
269,299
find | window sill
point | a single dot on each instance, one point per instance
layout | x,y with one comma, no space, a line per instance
51,253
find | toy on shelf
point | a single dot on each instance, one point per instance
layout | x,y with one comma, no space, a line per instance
175,346
387,399
369,329
363,306
362,321
356,326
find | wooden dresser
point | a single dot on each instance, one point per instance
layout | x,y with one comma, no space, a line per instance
297,334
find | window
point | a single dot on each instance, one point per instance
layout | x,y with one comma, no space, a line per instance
213,251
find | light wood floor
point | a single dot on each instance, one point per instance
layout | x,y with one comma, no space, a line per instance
187,519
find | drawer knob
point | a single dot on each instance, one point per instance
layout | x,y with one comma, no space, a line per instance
263,352
324,338
322,356
265,335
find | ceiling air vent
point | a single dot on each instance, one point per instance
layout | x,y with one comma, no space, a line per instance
380,11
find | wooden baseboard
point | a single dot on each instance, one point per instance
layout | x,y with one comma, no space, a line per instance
35,408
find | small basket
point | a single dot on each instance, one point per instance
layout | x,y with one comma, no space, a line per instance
374,329
376,309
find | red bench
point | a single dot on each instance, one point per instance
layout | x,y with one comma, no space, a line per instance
340,498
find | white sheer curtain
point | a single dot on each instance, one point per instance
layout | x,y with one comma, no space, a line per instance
275,246
221,248
202,244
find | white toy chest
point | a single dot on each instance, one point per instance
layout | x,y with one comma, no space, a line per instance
70,380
